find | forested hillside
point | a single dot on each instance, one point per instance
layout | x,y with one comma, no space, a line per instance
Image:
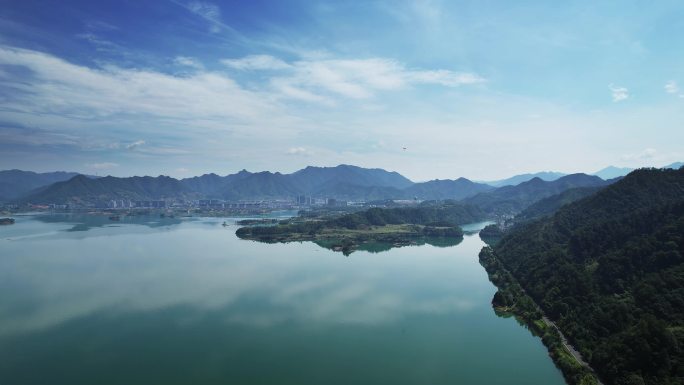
513,199
15,183
84,189
440,220
550,205
609,269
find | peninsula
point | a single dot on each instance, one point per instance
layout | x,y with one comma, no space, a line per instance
395,226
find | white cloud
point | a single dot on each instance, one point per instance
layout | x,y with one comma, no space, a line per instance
98,25
646,154
671,87
58,88
134,145
208,11
444,78
256,62
351,78
187,61
99,43
619,93
103,165
301,151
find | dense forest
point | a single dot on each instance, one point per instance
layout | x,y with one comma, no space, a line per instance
513,199
609,270
550,205
438,220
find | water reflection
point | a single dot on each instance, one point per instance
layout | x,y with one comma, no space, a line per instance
347,246
85,222
340,245
138,304
53,281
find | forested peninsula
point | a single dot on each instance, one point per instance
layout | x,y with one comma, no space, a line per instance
609,271
399,226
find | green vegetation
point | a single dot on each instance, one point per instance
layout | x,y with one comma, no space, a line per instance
396,226
491,234
6,221
548,206
513,199
511,299
609,270
261,221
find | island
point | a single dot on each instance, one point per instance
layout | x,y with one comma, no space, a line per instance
372,228
6,221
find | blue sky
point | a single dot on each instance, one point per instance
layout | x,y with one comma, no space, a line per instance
480,89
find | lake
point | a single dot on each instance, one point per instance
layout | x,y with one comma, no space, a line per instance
149,300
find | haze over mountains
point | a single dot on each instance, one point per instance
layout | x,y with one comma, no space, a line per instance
341,182
15,183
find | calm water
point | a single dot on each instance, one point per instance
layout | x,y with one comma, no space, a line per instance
171,301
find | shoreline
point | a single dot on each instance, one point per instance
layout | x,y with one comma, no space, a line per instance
349,240
511,300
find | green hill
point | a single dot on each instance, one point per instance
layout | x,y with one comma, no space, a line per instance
513,199
609,269
83,189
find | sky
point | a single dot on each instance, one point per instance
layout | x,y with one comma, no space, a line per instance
431,89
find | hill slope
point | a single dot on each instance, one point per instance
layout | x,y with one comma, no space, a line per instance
445,189
611,172
87,190
548,206
517,179
513,199
311,179
15,183
609,269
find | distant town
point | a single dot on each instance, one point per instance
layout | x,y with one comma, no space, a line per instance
216,206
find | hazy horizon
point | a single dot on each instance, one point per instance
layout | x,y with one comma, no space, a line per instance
333,166
430,89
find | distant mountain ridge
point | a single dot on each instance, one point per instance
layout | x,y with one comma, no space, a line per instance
342,182
513,199
517,179
15,183
82,189
612,172
446,189
675,165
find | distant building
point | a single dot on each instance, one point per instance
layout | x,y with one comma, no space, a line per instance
303,200
332,202
150,204
406,202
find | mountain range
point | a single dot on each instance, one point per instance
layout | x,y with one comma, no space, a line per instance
509,199
15,183
341,182
344,182
517,179
610,172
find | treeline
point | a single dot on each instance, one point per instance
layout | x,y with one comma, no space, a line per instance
510,298
548,206
434,221
448,215
609,269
